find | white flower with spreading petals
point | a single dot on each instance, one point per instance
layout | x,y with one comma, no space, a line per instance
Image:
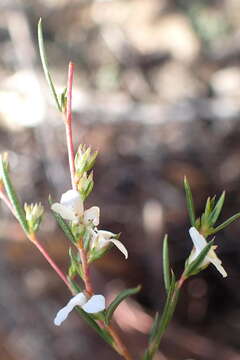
71,208
199,243
95,304
102,238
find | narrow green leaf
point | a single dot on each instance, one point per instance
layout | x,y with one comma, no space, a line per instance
189,199
207,207
74,285
207,212
166,267
197,223
224,224
154,327
88,318
45,64
194,265
119,298
97,254
213,199
217,209
162,324
62,223
19,212
75,263
146,356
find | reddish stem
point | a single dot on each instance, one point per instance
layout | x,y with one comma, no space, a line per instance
68,124
35,241
4,197
86,274
119,346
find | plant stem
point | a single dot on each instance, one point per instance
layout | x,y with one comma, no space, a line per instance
5,199
118,344
121,348
68,124
85,268
167,315
35,241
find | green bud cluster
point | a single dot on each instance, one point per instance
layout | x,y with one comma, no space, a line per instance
34,213
213,208
84,162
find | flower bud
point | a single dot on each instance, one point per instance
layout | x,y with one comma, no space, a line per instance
34,214
84,160
85,184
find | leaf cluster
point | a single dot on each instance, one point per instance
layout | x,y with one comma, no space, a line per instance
213,208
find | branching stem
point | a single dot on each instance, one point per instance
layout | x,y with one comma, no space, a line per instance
36,242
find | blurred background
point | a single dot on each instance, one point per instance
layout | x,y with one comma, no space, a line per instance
156,91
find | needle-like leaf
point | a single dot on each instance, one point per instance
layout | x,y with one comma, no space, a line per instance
19,212
190,204
194,265
119,298
43,57
166,267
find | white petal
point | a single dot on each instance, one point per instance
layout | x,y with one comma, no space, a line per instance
193,255
214,259
65,212
72,199
95,304
120,246
107,235
219,267
92,215
79,299
198,240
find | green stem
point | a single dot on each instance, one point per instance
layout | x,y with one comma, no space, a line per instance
168,311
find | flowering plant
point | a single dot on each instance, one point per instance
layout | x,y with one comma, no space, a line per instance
88,243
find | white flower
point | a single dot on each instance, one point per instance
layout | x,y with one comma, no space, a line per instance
102,238
33,211
92,215
71,208
95,304
199,243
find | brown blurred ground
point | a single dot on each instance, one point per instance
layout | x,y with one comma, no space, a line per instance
157,90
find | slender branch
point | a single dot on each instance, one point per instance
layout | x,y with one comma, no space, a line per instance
119,346
5,199
85,268
167,315
68,124
35,241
